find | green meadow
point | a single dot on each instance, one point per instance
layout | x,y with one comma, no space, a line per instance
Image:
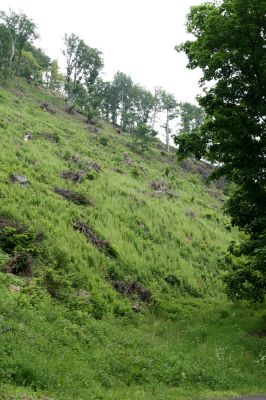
66,332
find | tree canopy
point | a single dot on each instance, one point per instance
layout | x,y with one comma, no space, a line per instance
83,66
229,47
21,30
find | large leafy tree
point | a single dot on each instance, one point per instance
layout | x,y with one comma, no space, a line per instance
30,69
106,99
35,65
84,64
18,56
230,49
22,31
143,103
122,89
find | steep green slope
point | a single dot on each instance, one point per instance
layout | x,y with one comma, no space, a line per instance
156,237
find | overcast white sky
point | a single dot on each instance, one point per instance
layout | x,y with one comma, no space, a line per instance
135,36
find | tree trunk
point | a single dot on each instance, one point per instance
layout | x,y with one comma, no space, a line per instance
13,44
154,119
167,131
122,111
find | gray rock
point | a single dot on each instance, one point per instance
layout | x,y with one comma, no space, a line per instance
20,179
27,137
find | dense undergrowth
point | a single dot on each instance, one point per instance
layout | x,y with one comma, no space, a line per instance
89,221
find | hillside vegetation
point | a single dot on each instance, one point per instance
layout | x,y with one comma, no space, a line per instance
112,260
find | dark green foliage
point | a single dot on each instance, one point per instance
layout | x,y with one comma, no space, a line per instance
247,278
191,119
99,307
143,135
15,238
57,283
103,141
230,49
20,264
135,172
21,244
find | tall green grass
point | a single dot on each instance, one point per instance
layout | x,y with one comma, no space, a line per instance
188,342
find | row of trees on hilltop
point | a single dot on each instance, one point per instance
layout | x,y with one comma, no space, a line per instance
129,106
125,104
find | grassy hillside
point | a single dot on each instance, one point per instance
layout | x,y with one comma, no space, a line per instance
115,292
